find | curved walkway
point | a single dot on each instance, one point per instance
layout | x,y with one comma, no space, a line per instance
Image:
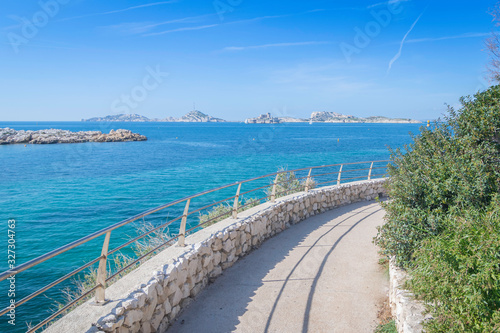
321,275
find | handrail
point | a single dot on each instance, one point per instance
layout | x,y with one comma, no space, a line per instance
102,259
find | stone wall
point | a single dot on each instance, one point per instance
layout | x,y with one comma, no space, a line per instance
406,311
150,298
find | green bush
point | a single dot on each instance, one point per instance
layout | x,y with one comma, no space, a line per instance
389,327
224,210
451,167
82,283
458,274
287,183
443,222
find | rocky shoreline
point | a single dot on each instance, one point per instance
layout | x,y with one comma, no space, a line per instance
51,136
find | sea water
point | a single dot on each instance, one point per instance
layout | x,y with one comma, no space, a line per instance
61,192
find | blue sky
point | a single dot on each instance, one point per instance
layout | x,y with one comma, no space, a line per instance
67,60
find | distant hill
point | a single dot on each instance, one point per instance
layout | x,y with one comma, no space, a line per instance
120,117
334,117
191,117
198,117
380,119
324,116
329,117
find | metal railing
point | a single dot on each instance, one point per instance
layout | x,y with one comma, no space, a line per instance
102,272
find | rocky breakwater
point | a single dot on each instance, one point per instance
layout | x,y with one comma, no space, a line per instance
49,136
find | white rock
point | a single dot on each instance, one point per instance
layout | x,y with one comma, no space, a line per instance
141,299
193,266
110,318
146,327
150,308
216,272
130,303
207,260
174,312
217,246
167,307
176,298
181,277
157,318
228,245
185,290
132,317
119,311
217,258
150,289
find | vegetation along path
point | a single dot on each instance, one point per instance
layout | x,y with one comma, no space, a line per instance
321,275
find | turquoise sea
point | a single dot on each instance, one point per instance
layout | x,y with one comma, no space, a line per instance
59,193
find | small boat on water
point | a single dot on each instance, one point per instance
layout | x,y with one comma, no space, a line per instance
310,122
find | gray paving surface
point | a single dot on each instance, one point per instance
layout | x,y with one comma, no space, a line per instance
321,275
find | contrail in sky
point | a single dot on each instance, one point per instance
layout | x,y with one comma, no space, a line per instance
396,57
121,10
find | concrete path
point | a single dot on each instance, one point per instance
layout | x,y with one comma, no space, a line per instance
321,275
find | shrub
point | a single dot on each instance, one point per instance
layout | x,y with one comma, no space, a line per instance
443,222
452,167
458,274
389,327
224,210
287,183
81,284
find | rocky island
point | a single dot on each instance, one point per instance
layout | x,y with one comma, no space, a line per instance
194,116
268,119
328,117
49,136
121,118
334,117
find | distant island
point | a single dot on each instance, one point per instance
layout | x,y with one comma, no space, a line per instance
50,136
329,117
194,116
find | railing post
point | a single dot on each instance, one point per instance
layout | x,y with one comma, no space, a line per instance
273,195
340,174
308,180
182,230
236,202
100,298
370,172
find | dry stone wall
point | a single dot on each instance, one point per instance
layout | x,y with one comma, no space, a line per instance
180,274
407,312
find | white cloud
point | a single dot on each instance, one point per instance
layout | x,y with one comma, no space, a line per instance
265,46
320,77
121,10
255,19
433,39
132,28
214,25
201,27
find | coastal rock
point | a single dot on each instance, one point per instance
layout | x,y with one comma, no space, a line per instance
50,136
